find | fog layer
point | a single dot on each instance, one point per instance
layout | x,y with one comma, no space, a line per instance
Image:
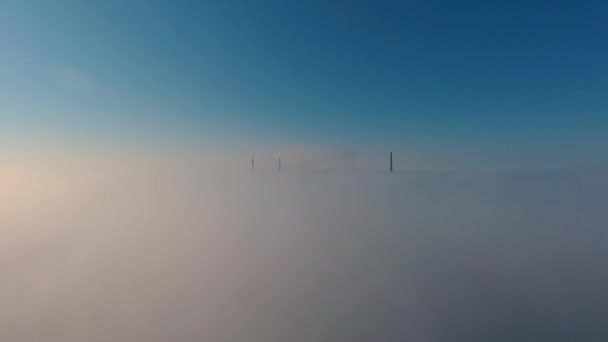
184,254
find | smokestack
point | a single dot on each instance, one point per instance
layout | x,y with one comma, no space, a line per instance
279,164
391,162
251,164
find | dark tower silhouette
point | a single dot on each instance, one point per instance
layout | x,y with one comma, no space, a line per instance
391,162
251,164
279,164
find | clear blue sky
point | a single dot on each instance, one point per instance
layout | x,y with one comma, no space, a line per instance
509,74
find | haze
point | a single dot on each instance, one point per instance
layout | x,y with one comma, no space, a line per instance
185,252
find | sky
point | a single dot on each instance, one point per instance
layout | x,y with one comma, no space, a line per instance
128,211
487,83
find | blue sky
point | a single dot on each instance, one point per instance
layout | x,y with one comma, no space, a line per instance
503,77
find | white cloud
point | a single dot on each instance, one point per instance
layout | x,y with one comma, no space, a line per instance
150,251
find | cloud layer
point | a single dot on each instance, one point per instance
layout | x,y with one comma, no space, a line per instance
153,252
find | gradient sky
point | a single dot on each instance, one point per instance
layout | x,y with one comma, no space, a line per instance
524,78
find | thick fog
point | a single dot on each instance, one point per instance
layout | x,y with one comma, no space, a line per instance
177,252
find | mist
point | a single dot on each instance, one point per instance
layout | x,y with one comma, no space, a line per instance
189,252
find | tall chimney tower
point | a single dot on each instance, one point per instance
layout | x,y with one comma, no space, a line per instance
279,164
391,162
251,164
